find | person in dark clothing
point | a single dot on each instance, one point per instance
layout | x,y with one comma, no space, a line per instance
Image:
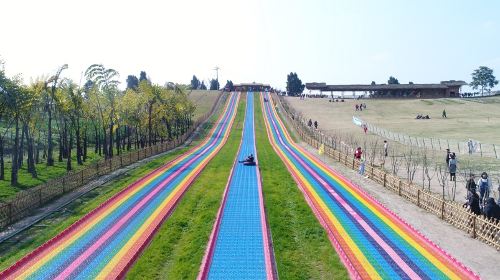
452,167
471,183
492,210
309,123
250,160
316,124
473,202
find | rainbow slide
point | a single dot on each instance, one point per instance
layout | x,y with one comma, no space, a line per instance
106,242
372,242
239,246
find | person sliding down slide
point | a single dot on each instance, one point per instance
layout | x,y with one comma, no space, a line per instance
248,161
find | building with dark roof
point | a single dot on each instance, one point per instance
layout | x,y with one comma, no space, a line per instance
443,89
251,87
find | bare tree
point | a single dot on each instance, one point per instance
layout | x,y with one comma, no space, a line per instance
442,176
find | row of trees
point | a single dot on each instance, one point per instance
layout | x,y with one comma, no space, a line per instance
57,114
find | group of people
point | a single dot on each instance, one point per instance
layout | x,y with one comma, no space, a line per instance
422,117
310,124
481,203
360,107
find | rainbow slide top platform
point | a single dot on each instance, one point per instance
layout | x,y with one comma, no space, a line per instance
239,245
105,243
372,242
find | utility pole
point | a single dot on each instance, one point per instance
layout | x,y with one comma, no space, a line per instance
216,68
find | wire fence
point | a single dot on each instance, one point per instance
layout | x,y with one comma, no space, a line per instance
438,144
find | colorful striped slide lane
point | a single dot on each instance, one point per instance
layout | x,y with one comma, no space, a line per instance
106,242
239,246
372,242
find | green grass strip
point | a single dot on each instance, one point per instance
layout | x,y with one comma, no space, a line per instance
177,249
301,247
12,250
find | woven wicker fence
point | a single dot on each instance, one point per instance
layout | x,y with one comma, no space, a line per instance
479,227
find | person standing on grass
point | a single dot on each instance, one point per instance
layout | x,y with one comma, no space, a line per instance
484,184
453,167
309,123
444,114
365,128
470,145
316,124
386,146
357,107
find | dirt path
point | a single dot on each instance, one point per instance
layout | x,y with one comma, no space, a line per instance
479,257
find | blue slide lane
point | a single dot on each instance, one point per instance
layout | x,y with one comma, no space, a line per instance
239,247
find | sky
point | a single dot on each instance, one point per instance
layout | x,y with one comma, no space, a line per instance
337,42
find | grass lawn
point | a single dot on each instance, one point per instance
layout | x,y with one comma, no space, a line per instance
177,249
478,119
203,100
44,172
301,246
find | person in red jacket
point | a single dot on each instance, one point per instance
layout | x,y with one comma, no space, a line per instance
358,153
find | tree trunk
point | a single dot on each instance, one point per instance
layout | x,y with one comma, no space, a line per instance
117,140
150,124
68,152
15,151
78,145
30,141
129,142
85,143
37,153
50,158
61,147
96,139
110,144
2,163
21,147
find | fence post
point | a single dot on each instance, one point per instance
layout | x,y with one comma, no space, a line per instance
432,145
418,197
458,145
481,149
442,210
353,162
11,219
473,232
81,176
495,150
399,187
97,168
439,140
385,176
121,161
